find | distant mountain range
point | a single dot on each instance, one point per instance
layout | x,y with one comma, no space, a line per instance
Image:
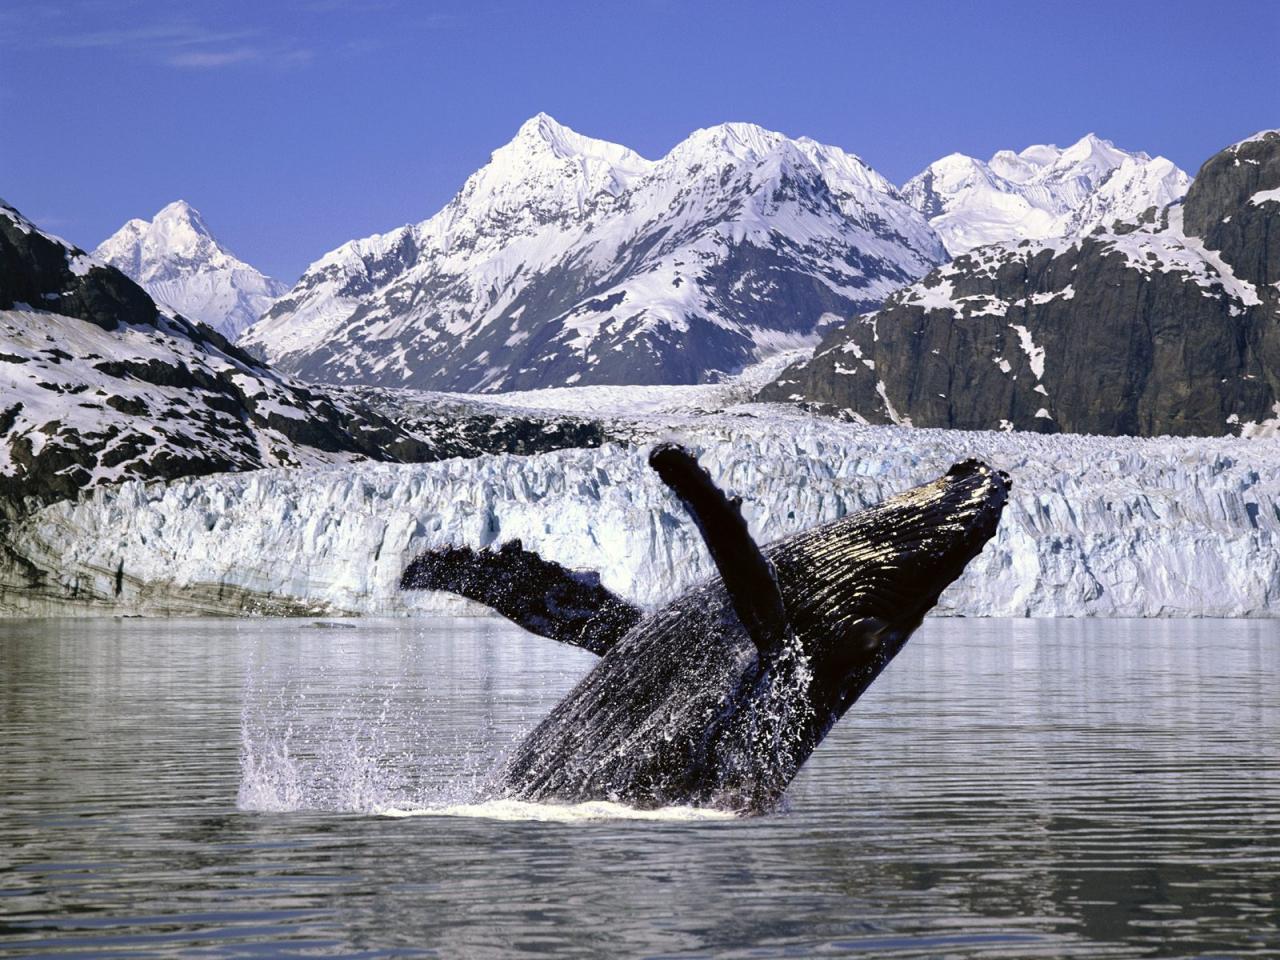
1166,323
567,260
178,261
99,384
1040,192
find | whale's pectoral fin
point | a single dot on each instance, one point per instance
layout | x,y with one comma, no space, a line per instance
748,575
539,595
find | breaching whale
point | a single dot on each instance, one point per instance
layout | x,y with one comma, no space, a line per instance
720,696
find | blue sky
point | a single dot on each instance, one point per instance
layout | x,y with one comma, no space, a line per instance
297,125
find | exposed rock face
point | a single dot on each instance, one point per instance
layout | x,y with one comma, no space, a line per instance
1166,324
181,264
568,260
1235,209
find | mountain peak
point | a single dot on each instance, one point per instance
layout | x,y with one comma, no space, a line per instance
179,209
955,161
1091,148
568,260
1040,154
742,141
182,226
543,134
176,258
547,129
177,206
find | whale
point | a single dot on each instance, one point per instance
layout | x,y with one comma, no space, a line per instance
719,697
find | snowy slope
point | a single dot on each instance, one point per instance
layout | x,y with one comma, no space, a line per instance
569,260
180,263
99,385
1106,527
1043,191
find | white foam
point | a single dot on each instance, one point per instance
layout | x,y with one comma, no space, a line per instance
593,810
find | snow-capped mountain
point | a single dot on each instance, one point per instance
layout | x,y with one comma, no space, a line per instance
180,263
99,385
1162,324
571,260
1040,192
100,389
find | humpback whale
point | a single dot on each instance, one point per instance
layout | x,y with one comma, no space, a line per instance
719,697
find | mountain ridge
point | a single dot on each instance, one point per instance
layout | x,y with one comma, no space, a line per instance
567,259
178,260
99,384
1042,191
1162,324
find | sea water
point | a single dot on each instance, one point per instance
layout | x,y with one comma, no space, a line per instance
1020,788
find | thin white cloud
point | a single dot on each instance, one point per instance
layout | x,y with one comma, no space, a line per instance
183,43
206,59
150,30
155,36
212,59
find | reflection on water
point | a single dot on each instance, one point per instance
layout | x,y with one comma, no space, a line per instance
1006,789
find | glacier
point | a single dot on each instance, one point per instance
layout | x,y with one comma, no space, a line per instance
1115,527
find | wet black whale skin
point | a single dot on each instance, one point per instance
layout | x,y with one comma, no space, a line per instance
691,707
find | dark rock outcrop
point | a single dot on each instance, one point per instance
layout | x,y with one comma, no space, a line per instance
1168,324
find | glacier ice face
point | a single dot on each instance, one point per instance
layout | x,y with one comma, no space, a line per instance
1096,526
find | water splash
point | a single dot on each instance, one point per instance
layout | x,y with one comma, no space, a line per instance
354,764
595,810
383,729
312,742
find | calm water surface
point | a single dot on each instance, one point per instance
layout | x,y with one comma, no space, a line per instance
1006,789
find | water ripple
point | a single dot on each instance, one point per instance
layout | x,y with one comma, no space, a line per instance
1007,789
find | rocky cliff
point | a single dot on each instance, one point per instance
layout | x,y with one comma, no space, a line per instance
1168,323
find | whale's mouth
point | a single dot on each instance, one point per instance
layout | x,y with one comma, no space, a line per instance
858,588
891,561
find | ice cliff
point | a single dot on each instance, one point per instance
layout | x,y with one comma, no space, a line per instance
1097,526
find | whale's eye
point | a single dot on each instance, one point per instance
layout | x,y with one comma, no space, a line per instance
865,635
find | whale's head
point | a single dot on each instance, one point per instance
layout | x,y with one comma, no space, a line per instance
855,589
